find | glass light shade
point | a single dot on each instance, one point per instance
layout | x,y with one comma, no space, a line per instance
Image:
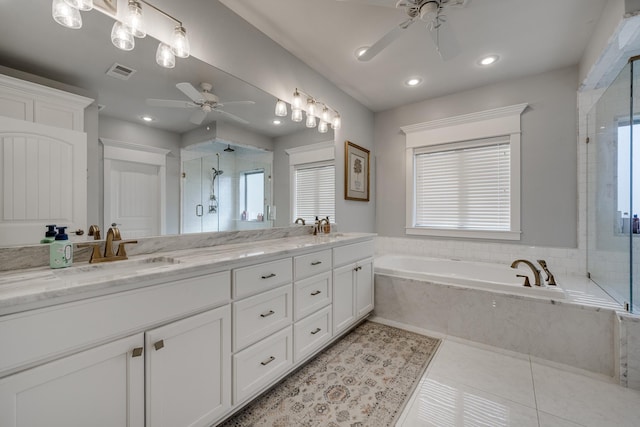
296,114
337,122
281,108
180,45
66,15
121,36
311,121
297,100
83,5
311,107
133,19
325,115
164,56
323,127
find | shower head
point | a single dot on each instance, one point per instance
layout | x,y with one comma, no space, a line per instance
217,172
229,149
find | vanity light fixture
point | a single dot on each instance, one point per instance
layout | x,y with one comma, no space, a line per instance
66,15
281,108
488,60
314,110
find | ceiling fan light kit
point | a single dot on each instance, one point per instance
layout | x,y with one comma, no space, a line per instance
314,109
67,14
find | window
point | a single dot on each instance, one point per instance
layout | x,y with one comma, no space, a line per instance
463,175
315,191
313,182
252,194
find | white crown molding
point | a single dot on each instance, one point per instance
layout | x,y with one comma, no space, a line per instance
310,147
512,110
132,146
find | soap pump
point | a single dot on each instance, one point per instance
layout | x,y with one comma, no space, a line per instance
50,235
61,250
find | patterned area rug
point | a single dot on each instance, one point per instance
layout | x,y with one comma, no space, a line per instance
363,380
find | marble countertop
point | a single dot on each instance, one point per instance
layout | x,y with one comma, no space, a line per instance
27,289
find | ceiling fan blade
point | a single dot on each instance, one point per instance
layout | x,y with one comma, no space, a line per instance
386,40
198,117
383,3
236,102
232,116
190,91
445,41
170,103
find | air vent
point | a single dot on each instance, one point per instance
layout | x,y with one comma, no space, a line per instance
120,71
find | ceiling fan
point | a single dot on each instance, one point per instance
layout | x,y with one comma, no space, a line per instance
204,101
428,11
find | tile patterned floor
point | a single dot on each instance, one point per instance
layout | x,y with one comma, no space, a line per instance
468,385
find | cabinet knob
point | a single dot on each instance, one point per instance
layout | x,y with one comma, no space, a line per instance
158,345
269,276
137,352
316,331
315,293
268,313
269,360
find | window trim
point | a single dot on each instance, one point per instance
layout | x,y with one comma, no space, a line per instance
498,122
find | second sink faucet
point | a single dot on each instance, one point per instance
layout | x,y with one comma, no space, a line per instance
113,235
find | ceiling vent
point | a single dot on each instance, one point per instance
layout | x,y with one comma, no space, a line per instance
120,71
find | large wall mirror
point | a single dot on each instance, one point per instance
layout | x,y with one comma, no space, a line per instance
218,173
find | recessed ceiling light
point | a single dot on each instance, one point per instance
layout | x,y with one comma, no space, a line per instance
277,122
488,60
413,81
361,51
147,119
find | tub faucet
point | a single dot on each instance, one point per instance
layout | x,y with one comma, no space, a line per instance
551,281
298,220
536,272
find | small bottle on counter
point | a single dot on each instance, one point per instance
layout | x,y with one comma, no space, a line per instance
50,235
327,226
61,250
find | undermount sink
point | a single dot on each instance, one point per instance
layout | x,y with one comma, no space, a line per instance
109,269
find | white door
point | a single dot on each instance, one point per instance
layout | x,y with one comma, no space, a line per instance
364,287
343,302
134,193
43,180
188,366
101,387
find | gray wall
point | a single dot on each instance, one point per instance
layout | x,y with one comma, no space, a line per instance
221,38
135,133
548,162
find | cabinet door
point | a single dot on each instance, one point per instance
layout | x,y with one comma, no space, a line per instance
364,287
343,298
103,386
188,370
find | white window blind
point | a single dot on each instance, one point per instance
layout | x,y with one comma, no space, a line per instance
315,192
464,186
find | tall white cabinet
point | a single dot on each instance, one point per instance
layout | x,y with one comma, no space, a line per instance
43,159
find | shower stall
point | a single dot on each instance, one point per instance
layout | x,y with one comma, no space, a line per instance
613,188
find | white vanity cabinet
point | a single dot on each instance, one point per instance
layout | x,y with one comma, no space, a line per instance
43,157
352,284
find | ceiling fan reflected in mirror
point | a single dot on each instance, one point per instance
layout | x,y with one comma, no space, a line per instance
204,101
430,12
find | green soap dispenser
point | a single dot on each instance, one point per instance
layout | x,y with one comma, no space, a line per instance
50,235
61,250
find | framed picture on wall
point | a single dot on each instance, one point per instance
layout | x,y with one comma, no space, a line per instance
356,172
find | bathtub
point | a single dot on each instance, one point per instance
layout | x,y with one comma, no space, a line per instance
477,275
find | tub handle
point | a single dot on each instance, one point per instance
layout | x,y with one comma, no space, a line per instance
526,280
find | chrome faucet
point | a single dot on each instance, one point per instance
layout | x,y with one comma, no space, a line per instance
536,272
113,235
551,281
299,220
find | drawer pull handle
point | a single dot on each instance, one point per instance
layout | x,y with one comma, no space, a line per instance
315,293
267,314
137,352
269,276
158,345
269,360
316,263
316,331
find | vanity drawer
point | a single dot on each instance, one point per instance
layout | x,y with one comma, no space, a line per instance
311,333
258,316
312,294
260,364
343,255
310,264
261,277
